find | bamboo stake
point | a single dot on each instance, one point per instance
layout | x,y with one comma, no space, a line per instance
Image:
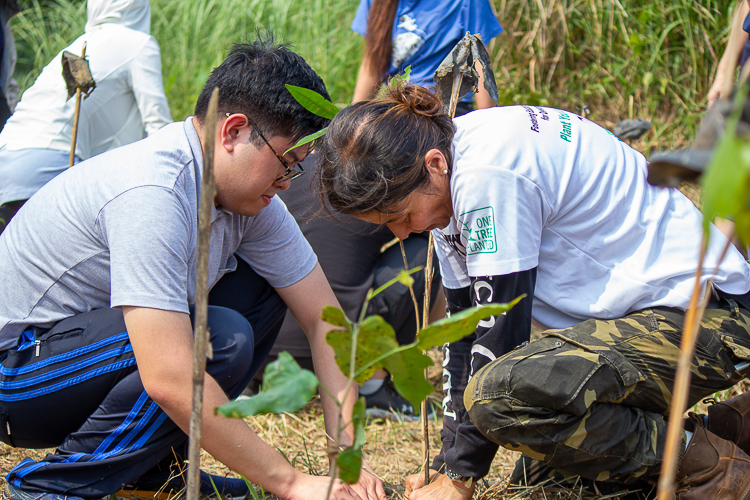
201,348
682,377
428,273
411,289
76,115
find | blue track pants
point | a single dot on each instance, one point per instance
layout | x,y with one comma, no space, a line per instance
76,387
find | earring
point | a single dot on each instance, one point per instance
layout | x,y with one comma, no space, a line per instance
445,171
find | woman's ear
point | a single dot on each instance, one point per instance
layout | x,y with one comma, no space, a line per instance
435,162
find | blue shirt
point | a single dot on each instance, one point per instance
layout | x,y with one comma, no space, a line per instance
424,32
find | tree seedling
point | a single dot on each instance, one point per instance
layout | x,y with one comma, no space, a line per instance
361,348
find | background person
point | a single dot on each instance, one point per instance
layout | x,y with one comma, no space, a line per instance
127,104
349,252
8,9
736,52
99,274
539,201
420,34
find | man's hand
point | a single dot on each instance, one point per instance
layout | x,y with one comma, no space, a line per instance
440,488
308,487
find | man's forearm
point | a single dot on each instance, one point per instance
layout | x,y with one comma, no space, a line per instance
163,347
335,382
306,299
235,444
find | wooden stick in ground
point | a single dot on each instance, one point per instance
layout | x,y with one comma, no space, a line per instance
428,273
201,342
682,384
682,377
411,289
76,114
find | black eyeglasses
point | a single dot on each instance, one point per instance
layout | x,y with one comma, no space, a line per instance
290,173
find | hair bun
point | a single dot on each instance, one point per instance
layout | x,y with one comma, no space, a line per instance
415,98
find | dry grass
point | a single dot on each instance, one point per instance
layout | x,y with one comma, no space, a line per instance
393,449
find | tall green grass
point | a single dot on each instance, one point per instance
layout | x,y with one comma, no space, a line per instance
565,53
194,37
599,53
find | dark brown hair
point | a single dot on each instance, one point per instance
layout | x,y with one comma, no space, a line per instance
373,155
379,35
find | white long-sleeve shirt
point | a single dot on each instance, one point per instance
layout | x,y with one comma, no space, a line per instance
128,102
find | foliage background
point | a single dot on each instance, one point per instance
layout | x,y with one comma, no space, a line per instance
562,53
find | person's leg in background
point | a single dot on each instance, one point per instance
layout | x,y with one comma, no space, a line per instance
23,173
396,305
108,431
7,211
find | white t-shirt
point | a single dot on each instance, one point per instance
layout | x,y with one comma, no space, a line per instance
121,229
127,104
540,187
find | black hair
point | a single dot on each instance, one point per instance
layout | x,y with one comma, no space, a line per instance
252,80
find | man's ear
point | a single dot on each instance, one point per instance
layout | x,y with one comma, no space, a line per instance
436,162
233,131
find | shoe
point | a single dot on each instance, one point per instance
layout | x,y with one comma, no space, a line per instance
13,493
386,402
730,420
712,467
530,472
170,484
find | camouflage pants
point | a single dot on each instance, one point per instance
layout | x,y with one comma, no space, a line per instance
593,399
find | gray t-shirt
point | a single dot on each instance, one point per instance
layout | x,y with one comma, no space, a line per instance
121,229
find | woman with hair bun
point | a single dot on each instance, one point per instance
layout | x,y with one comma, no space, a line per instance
542,202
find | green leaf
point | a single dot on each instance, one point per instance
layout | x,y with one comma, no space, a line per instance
213,485
286,388
313,102
350,459
358,421
308,138
459,325
250,487
395,80
402,77
350,465
725,185
407,373
375,338
336,316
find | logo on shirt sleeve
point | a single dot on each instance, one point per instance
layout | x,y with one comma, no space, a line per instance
478,229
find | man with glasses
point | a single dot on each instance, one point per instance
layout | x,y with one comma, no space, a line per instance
95,301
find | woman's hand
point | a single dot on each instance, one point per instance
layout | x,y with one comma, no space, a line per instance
369,487
440,488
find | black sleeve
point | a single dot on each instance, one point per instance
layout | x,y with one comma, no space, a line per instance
465,450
